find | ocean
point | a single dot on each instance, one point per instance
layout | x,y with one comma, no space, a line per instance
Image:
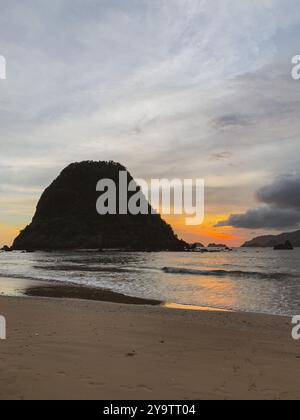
247,280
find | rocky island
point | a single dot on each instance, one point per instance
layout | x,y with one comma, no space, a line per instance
66,217
287,246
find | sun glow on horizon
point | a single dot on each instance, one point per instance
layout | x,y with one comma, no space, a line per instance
8,233
206,232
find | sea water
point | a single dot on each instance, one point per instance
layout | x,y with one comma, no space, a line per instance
251,280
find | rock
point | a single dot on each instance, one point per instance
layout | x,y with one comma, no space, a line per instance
287,246
6,249
196,246
66,217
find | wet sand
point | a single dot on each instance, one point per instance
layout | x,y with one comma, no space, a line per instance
13,287
78,349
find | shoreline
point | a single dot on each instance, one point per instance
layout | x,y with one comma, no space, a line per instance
25,288
80,349
18,287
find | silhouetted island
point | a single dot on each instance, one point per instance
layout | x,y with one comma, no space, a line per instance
287,246
269,241
6,248
196,246
66,217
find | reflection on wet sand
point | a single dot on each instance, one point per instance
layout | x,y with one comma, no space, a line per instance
191,307
16,287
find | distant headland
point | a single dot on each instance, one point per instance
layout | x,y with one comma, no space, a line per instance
270,241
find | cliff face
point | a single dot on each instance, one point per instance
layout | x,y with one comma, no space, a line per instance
273,240
66,217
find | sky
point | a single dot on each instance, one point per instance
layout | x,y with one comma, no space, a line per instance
169,88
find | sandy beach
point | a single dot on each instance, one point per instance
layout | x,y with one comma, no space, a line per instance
77,349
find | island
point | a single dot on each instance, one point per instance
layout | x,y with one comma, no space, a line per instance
66,217
270,241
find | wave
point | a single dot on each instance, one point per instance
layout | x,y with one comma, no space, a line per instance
229,273
21,276
85,269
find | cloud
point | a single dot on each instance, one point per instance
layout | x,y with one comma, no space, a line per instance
229,121
284,192
152,84
263,218
280,208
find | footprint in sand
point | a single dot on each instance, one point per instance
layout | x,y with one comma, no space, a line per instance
132,354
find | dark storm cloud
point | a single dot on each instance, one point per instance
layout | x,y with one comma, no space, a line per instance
264,218
280,207
283,193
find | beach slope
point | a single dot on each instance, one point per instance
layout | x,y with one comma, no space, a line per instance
75,349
